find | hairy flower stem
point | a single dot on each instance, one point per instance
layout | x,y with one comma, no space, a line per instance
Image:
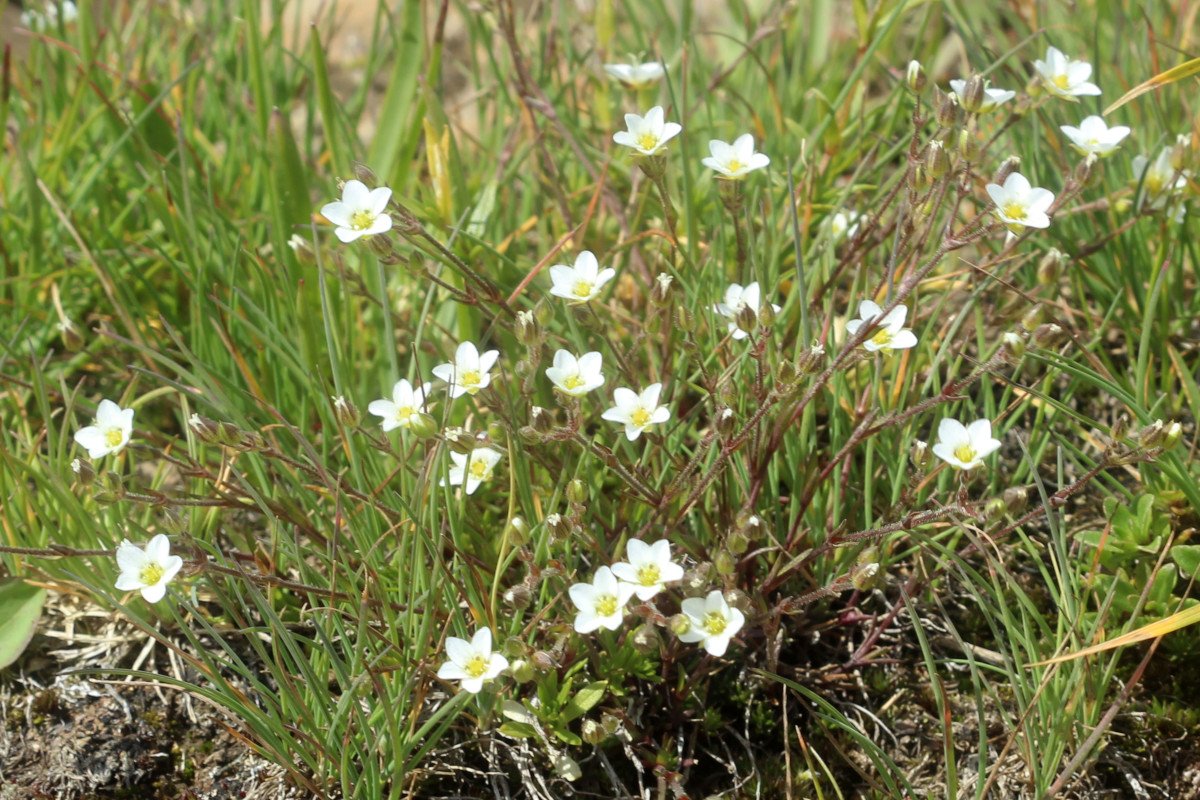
734,199
654,168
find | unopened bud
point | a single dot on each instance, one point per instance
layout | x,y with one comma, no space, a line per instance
947,112
725,422
592,731
920,178
1032,318
557,527
541,420
1050,265
864,576
696,578
685,320
577,491
1152,435
969,145
645,639
660,292
737,542
1013,343
424,426
738,599
521,670
811,360
345,411
918,454
83,468
1016,498
1122,205
1179,153
994,509
519,597
611,723
460,441
518,531
680,624
973,95
529,333
1008,167
725,562
72,339
1120,428
542,661
1048,336
766,315
1173,435
937,160
365,174
747,319
205,429
914,77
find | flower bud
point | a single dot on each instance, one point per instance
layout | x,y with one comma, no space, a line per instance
1016,498
541,420
969,145
747,319
1008,167
914,77
592,731
1050,265
920,178
737,542
685,320
566,767
947,112
1152,435
1013,344
645,639
83,468
496,433
521,670
724,562
1179,153
973,95
557,527
1120,428
811,360
517,531
696,578
424,426
205,429
937,160
738,599
680,624
345,411
994,509
1172,436
364,173
918,454
519,597
864,576
460,441
542,661
611,723
660,292
1122,205
766,315
577,491
1048,336
72,339
1032,318
725,422
528,331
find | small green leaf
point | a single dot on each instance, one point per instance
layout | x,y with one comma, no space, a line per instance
584,700
517,730
1187,558
20,609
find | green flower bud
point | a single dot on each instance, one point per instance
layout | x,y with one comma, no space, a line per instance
521,670
725,562
914,77
973,95
83,468
592,732
72,339
645,639
528,331
660,292
937,160
424,426
1016,498
577,491
680,624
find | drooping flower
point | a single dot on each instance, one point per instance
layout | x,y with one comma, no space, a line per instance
471,470
637,76
965,446
734,161
843,223
649,567
649,134
472,663
890,334
991,97
1064,77
737,298
110,432
403,409
148,570
359,212
576,376
601,603
1094,137
1155,177
713,622
581,282
1020,205
637,411
469,372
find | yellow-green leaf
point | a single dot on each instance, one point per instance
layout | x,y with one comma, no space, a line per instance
1184,70
1162,627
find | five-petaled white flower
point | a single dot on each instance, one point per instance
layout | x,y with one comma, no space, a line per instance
1064,77
649,567
110,432
890,334
991,97
637,76
734,161
1020,205
843,223
469,372
581,282
472,662
649,134
965,446
471,470
148,570
576,376
1155,177
637,411
601,603
1094,137
736,298
403,409
359,212
713,622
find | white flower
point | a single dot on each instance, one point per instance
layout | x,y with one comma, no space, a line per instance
736,298
991,97
649,567
297,242
647,134
1020,205
472,662
735,160
601,603
110,433
712,622
149,570
636,76
576,376
581,282
403,409
469,372
843,223
50,15
1154,176
965,447
470,471
637,411
1094,137
359,212
891,333
1063,77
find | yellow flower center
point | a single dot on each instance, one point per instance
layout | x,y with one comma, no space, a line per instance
470,378
882,338
714,623
965,453
647,141
1062,82
1154,184
640,417
648,574
1014,210
572,382
606,605
582,289
361,220
113,437
404,412
477,667
478,468
1093,142
151,573
734,165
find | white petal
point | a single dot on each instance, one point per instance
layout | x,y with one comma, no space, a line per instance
152,594
93,440
356,195
158,549
952,432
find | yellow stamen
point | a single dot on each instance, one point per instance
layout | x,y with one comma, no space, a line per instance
361,220
648,574
470,378
647,141
882,338
478,468
640,417
714,623
735,166
404,412
582,289
965,453
477,667
572,382
606,605
1014,210
1062,82
113,437
151,574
